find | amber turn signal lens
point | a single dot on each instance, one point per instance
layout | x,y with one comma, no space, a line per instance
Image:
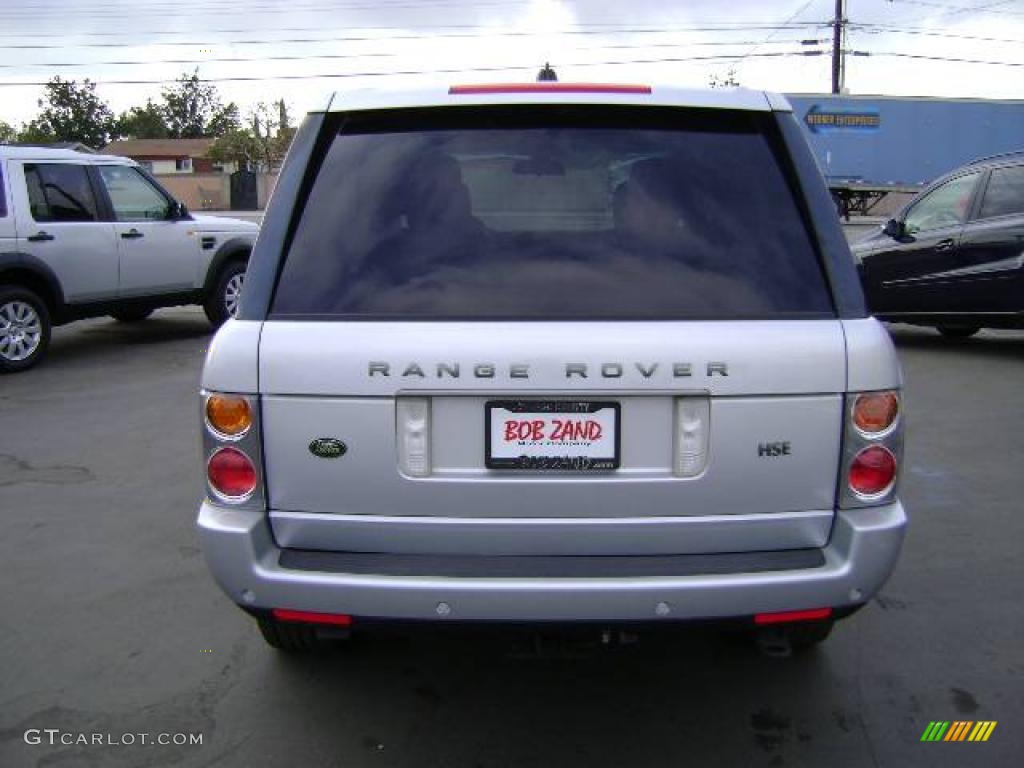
228,414
875,412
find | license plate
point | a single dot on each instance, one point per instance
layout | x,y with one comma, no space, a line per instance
551,435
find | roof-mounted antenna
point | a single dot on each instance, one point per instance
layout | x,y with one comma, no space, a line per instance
547,74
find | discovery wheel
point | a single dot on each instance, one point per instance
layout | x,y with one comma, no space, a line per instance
24,329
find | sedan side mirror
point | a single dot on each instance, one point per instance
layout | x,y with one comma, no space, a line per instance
177,211
894,229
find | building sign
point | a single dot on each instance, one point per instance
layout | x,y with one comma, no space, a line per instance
818,119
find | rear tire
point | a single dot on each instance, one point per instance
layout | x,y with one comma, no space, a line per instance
957,331
222,303
24,329
131,315
290,638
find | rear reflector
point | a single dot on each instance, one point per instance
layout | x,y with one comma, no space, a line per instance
814,614
465,90
308,617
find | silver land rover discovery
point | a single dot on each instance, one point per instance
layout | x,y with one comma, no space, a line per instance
551,353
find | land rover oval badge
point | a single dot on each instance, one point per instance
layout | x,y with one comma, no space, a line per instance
327,448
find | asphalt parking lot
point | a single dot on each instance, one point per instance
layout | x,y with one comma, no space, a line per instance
110,623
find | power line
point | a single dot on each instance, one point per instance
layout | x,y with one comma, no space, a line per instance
772,34
579,29
342,56
877,28
955,9
442,71
171,11
950,59
89,8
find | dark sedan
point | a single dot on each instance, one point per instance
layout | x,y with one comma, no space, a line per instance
954,257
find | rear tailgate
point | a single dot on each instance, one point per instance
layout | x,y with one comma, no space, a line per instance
771,384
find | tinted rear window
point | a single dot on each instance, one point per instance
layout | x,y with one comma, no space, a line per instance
60,192
549,213
1005,193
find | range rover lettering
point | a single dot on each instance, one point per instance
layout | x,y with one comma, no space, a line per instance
595,354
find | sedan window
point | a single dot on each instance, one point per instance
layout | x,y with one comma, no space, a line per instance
944,206
1005,193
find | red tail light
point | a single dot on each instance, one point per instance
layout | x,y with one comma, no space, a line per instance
231,473
872,471
872,448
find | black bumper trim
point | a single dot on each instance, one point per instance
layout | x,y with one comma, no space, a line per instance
548,567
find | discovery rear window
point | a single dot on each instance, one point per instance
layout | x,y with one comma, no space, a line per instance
552,213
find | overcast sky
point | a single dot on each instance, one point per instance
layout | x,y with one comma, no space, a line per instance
351,40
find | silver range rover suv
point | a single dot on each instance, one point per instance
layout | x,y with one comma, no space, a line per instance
551,353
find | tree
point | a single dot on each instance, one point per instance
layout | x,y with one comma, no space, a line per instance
272,133
146,122
261,146
7,133
71,112
285,131
33,133
727,81
238,146
193,110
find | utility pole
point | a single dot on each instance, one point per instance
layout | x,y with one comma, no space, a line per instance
838,42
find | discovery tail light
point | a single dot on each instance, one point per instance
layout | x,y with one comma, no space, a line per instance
231,450
872,448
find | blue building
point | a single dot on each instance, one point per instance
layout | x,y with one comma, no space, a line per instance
894,140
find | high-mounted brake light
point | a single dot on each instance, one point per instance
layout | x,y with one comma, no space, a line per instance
548,87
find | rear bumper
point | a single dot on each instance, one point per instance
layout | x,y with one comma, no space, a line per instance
246,562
